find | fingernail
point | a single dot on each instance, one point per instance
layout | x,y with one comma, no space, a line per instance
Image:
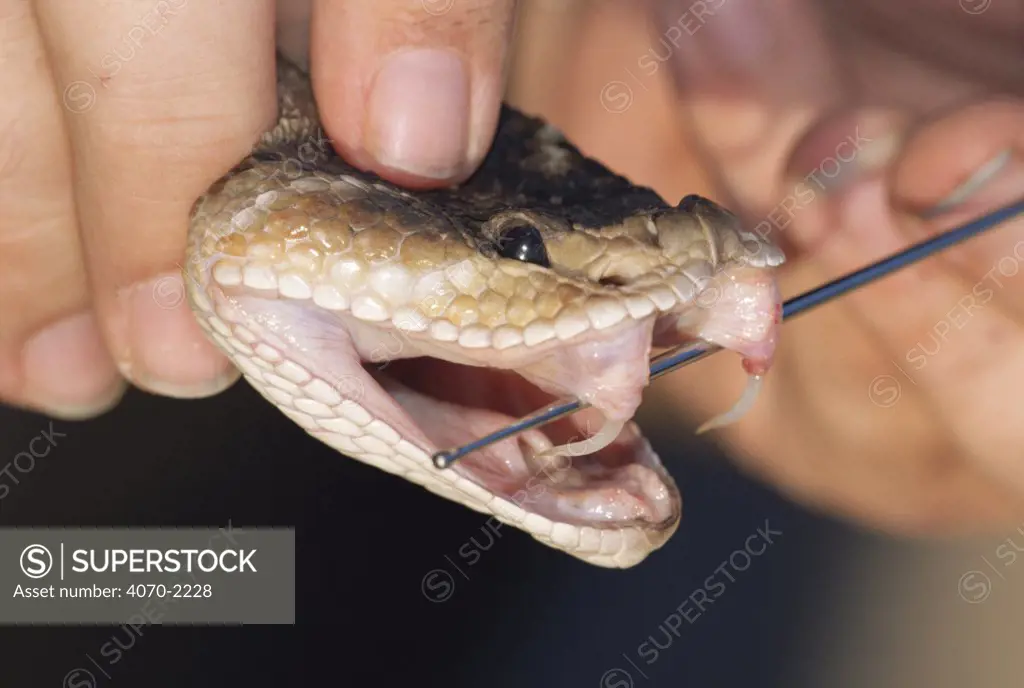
997,181
68,372
827,164
844,148
170,355
418,113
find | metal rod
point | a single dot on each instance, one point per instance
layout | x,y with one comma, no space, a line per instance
695,351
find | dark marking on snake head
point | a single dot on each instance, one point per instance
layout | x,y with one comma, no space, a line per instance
523,243
707,209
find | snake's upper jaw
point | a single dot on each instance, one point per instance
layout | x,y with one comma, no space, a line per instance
736,304
740,310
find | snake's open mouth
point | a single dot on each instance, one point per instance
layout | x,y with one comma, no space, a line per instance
420,401
622,483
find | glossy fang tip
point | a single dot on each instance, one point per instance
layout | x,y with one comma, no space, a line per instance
739,409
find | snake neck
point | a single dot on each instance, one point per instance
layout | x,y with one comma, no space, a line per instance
297,117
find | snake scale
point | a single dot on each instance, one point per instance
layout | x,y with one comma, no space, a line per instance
389,324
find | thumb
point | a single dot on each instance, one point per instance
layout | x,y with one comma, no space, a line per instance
411,89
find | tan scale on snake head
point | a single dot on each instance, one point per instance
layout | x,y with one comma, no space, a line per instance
390,324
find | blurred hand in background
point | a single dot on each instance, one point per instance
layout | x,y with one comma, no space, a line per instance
844,132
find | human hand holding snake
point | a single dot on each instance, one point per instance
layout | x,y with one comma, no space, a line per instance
120,115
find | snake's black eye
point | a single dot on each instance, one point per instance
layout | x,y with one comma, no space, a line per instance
523,242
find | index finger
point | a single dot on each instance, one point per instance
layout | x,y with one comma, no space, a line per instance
180,92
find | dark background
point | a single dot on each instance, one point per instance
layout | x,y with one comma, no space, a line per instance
527,615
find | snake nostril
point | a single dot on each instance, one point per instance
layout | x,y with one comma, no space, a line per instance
612,281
